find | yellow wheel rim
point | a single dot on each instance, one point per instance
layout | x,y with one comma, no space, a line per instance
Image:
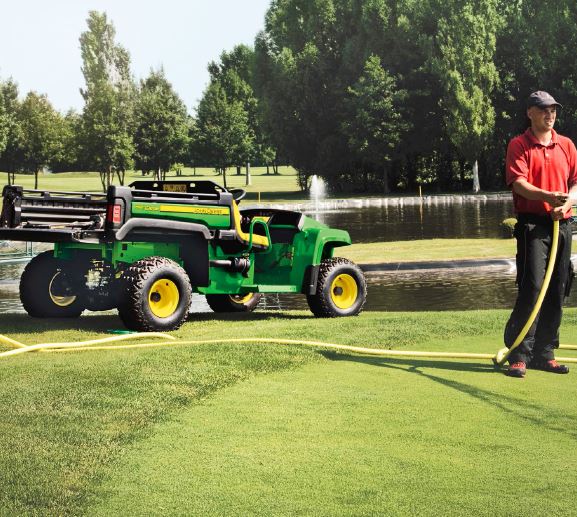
344,291
163,298
240,299
61,301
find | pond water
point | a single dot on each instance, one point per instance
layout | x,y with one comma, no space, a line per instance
476,219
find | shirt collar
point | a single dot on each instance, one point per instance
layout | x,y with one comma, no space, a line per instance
531,137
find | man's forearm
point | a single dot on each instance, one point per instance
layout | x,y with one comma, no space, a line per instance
533,193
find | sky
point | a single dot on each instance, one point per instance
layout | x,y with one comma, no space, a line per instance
40,49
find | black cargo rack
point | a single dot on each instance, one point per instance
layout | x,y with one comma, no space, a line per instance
27,208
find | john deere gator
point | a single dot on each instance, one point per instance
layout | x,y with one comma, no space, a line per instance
143,249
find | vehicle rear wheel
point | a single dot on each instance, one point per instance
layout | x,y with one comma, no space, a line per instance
156,295
51,288
233,302
341,289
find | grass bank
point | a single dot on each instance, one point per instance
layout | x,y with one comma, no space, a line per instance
259,429
428,250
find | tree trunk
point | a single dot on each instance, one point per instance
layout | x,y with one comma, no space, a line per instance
224,177
267,170
238,167
36,178
386,188
121,174
102,175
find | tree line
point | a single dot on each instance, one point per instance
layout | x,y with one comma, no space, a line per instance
381,95
372,95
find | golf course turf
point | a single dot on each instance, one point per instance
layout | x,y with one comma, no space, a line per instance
282,430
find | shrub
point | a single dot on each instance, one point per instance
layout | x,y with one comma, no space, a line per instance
507,227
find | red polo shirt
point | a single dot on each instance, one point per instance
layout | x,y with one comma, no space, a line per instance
550,167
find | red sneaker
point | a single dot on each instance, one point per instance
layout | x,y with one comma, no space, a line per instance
517,369
550,366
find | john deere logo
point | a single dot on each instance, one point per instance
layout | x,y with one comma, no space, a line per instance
202,210
147,208
182,209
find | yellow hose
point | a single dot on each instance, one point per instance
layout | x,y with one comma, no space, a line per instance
11,342
503,354
22,349
88,345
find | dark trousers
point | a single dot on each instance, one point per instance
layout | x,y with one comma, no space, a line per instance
534,237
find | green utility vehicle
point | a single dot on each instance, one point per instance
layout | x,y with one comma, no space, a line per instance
144,249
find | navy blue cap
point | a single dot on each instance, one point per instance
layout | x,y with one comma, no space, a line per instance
541,100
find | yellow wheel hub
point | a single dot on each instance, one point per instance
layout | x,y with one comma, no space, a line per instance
344,291
61,301
240,299
163,298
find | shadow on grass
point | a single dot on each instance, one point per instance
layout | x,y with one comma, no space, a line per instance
413,364
24,324
536,414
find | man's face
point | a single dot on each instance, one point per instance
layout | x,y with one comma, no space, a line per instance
542,119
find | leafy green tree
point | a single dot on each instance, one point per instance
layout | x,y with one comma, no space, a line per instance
375,124
67,155
162,126
39,124
463,59
108,115
11,155
4,121
224,135
525,66
235,72
308,57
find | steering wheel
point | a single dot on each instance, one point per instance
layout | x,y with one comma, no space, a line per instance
238,194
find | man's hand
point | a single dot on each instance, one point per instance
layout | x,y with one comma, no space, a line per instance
555,199
558,212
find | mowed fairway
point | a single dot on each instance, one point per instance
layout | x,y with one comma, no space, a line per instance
360,436
254,429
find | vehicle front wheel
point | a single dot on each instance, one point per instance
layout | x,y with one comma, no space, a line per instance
156,295
233,302
341,289
51,288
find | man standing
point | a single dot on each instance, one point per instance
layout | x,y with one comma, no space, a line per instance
541,169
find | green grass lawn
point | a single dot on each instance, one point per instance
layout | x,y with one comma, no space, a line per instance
270,187
428,249
281,430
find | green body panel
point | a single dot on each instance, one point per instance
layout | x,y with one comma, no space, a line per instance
212,216
121,252
281,268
